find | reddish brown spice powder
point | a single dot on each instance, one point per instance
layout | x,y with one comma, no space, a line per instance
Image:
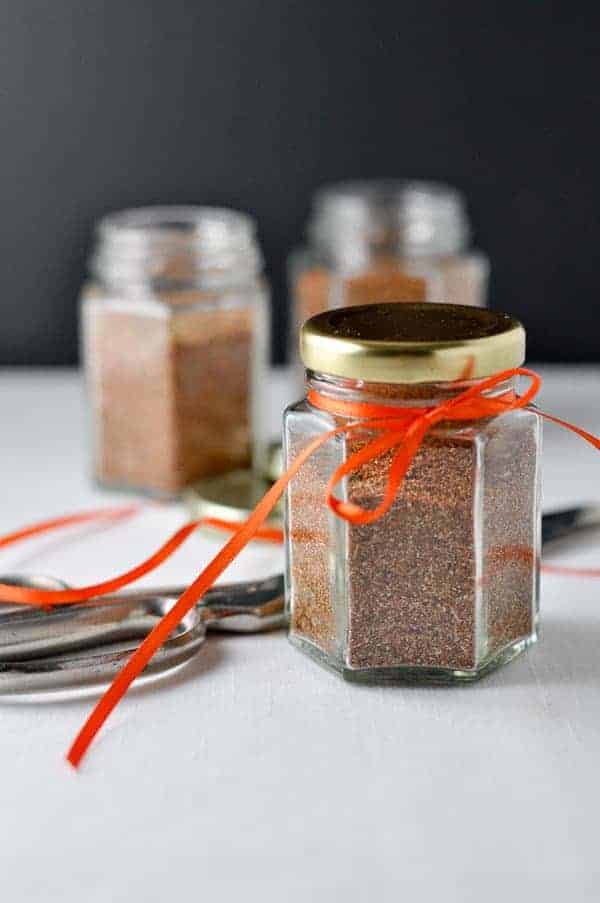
162,417
309,522
317,289
456,279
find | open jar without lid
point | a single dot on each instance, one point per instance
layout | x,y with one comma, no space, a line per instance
175,331
385,241
444,586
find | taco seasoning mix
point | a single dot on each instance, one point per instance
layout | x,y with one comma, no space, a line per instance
444,586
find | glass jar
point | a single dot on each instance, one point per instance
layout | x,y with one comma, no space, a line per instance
175,335
444,586
385,241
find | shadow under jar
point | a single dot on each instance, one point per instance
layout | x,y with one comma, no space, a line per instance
175,334
379,241
444,586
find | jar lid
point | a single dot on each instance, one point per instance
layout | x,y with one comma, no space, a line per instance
230,497
403,342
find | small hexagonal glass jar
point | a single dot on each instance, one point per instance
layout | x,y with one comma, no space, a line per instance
387,240
444,586
175,342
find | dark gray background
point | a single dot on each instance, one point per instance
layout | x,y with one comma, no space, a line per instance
252,103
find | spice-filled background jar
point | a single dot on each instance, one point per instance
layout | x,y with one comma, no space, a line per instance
175,330
385,241
443,586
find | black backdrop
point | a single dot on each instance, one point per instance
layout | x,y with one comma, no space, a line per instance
252,103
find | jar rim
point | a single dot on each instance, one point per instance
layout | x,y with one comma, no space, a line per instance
196,243
189,225
417,217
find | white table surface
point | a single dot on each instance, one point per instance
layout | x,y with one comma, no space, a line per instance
254,772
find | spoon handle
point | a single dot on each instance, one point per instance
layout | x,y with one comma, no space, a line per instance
93,664
247,607
560,524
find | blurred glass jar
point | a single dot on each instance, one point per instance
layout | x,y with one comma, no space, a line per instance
379,241
175,336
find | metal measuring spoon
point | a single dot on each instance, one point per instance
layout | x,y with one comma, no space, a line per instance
42,650
566,522
245,607
95,663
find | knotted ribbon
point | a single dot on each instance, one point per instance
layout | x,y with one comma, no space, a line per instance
399,430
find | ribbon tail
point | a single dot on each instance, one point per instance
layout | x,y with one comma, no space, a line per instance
68,520
589,437
155,639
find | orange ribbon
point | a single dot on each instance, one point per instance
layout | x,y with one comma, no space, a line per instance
48,598
401,429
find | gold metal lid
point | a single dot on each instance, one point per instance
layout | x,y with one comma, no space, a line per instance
231,497
403,342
